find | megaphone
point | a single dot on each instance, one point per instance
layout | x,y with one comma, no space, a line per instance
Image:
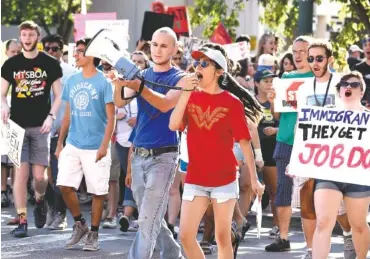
103,46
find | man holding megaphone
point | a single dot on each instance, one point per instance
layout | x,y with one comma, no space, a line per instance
156,146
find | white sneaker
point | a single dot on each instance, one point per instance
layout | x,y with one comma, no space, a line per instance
110,223
307,255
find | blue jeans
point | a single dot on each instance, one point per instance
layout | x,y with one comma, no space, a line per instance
122,153
152,178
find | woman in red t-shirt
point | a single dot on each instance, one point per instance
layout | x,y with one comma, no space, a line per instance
214,119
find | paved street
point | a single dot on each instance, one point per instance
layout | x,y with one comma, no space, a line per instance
43,243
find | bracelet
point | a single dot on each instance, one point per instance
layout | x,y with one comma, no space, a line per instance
258,155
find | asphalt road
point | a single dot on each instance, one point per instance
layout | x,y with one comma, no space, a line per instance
43,243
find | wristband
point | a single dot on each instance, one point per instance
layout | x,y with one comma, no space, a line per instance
258,155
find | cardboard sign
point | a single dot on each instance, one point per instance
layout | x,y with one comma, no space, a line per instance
190,44
181,22
80,22
332,144
12,141
287,93
154,21
119,27
237,51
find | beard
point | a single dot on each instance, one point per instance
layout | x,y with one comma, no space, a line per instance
32,48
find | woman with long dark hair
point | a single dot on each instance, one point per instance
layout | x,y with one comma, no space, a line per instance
286,64
214,118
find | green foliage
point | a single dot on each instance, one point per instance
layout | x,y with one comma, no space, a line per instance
210,12
46,13
282,17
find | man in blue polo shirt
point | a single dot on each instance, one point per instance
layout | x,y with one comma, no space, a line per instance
155,148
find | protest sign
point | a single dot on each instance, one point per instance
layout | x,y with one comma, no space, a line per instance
12,141
190,44
287,93
181,23
332,144
80,22
154,21
237,51
119,27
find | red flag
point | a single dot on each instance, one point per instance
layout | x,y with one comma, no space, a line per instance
220,35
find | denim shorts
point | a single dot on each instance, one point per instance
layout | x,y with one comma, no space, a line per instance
348,189
238,152
220,193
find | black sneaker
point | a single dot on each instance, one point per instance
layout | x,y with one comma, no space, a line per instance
21,230
39,212
280,245
5,202
245,229
124,222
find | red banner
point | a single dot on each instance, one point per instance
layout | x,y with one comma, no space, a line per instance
220,35
181,23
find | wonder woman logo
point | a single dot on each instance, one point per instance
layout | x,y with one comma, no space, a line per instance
206,119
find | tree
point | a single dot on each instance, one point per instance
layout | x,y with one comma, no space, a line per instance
210,12
46,13
282,16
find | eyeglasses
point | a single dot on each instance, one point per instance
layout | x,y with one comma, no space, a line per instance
203,64
318,58
351,84
53,49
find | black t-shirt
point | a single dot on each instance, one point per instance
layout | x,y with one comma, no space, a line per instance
31,81
267,121
364,69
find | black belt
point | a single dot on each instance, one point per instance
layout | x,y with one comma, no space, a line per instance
145,152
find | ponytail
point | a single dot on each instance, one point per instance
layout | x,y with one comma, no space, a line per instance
252,108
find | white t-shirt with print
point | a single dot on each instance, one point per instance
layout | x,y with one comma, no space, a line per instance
308,97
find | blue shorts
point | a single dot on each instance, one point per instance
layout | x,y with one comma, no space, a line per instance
347,189
183,167
284,183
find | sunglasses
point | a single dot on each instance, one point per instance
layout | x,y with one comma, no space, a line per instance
318,58
351,84
203,64
364,41
177,58
53,49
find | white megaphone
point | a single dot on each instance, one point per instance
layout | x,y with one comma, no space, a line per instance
103,46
